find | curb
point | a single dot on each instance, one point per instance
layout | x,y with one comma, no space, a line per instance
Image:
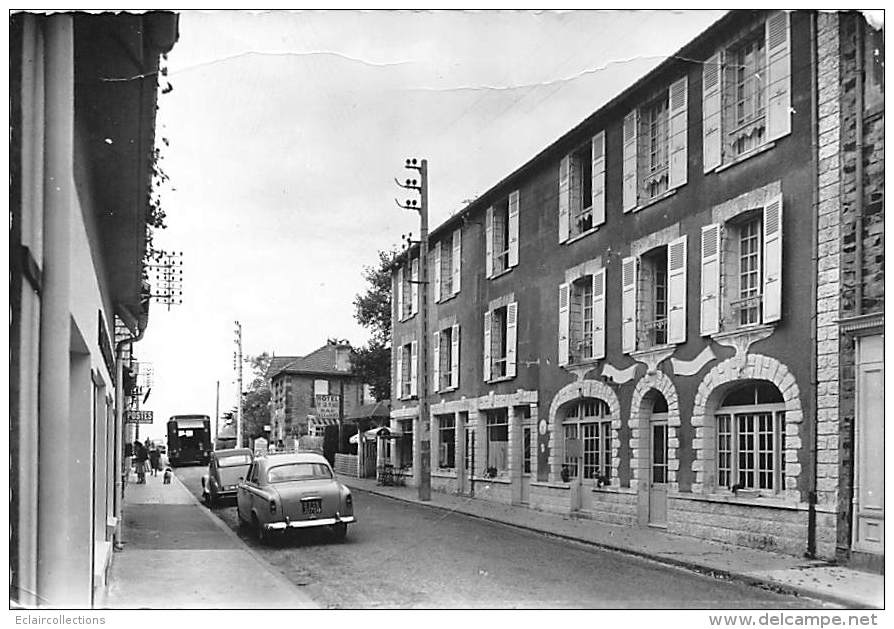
248,549
769,584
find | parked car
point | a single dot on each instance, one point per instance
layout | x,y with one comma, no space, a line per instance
293,491
225,469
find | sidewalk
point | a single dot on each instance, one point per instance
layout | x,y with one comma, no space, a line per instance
815,579
178,555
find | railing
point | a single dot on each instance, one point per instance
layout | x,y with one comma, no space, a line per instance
745,311
654,332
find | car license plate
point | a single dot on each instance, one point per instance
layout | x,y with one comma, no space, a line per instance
311,507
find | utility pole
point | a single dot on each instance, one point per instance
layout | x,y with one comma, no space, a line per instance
216,411
421,187
237,360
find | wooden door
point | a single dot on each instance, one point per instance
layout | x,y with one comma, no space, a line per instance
869,464
658,471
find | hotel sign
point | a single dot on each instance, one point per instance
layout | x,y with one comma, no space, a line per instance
327,406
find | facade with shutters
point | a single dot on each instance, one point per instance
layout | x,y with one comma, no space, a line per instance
631,331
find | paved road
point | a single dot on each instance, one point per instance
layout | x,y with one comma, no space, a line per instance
405,555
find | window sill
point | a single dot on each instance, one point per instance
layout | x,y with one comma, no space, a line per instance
501,273
500,479
550,485
581,235
448,390
727,497
407,318
745,156
500,379
410,398
444,300
654,200
444,472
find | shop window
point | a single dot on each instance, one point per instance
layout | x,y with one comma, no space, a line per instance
446,441
497,444
750,428
587,432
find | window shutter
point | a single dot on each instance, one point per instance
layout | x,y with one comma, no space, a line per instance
779,99
711,113
678,128
629,190
676,291
599,314
513,229
436,273
414,368
564,198
400,372
773,260
457,252
488,317
564,322
710,302
400,293
436,362
511,337
489,243
454,356
598,202
414,287
628,305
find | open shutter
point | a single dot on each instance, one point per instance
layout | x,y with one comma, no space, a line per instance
773,260
778,87
676,291
454,356
414,368
436,273
400,293
436,362
564,322
711,113
678,129
457,253
489,243
599,314
598,202
400,372
488,317
564,198
628,305
631,121
414,287
710,298
513,229
511,337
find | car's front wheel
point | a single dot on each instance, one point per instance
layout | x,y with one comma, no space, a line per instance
340,531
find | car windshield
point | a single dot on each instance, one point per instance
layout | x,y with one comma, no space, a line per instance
233,460
298,471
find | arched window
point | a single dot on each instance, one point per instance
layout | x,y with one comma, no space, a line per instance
588,450
751,438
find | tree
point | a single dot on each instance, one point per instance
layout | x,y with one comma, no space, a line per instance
372,362
256,400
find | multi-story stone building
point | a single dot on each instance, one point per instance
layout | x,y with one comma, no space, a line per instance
300,384
648,322
83,97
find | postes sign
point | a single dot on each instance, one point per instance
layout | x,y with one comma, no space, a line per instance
138,417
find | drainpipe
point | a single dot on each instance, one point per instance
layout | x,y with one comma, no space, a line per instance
858,206
814,268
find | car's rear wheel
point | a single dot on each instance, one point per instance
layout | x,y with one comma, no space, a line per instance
261,533
340,531
209,499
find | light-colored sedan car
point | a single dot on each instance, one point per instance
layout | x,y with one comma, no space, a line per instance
225,469
293,491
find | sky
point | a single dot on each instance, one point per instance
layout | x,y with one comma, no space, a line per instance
285,131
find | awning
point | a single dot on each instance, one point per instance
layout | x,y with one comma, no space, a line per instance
373,433
321,421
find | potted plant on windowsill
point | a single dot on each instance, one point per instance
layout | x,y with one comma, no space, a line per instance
490,472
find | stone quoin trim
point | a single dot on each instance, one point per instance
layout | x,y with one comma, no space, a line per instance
638,423
570,393
710,393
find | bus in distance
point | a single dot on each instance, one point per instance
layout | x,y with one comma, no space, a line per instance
189,439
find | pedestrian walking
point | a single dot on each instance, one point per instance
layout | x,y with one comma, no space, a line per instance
140,458
154,460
